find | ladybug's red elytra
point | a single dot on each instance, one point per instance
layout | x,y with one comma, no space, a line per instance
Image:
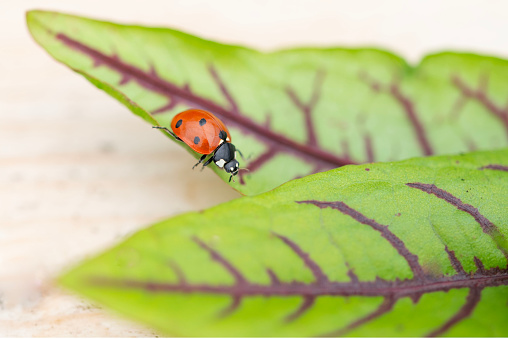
205,134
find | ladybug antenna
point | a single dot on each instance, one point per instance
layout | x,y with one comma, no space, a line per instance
244,169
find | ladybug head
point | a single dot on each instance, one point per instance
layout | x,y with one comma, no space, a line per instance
232,167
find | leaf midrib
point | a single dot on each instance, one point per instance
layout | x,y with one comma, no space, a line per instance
402,288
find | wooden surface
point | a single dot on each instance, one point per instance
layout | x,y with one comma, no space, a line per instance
78,172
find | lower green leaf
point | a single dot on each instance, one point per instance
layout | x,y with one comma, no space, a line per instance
410,248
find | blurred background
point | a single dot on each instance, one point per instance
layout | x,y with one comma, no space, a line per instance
79,172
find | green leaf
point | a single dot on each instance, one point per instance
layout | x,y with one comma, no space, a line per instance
291,112
410,248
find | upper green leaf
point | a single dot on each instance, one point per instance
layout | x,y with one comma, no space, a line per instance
413,248
291,112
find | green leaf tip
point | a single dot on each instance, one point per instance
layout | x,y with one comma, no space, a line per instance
409,248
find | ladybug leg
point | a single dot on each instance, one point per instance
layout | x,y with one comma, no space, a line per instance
240,153
207,162
200,160
243,157
168,131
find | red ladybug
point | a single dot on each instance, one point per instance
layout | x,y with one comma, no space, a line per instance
205,134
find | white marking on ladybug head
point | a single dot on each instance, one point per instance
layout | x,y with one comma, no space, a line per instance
220,163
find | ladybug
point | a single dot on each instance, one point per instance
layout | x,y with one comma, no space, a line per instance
207,135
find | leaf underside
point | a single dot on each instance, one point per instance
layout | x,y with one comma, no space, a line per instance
291,112
412,248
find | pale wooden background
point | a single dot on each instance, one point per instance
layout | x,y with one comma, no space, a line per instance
78,172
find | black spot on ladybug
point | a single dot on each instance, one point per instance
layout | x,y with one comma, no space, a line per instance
196,140
178,123
202,122
223,135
